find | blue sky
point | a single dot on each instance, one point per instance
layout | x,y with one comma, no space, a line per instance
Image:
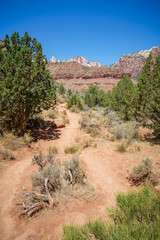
98,30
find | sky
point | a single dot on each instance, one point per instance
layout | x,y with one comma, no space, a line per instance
98,30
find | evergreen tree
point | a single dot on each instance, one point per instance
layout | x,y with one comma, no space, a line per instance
122,98
26,87
62,89
144,89
94,96
153,106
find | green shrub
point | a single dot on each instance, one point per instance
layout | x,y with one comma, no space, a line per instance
74,100
73,232
98,228
94,96
126,130
136,217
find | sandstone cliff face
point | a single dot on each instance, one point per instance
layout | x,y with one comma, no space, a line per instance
75,76
70,70
133,63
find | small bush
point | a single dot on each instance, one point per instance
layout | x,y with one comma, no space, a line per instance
53,172
91,128
11,141
126,130
52,114
113,117
78,175
73,149
7,155
52,150
122,147
43,159
143,172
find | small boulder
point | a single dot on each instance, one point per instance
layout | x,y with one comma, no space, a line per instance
59,122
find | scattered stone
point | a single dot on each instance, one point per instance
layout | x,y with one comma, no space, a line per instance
59,122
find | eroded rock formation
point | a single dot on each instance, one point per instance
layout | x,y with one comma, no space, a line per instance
133,63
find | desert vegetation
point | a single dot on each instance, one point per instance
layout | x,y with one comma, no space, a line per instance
55,183
74,151
136,216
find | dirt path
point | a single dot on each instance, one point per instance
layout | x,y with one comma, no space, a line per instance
106,169
13,178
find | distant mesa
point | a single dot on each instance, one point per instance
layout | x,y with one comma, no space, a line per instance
81,60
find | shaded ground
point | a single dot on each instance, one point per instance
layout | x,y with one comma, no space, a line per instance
105,167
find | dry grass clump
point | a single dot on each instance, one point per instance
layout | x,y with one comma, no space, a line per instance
52,150
127,146
7,155
111,138
127,130
12,142
89,143
143,173
27,138
122,146
72,149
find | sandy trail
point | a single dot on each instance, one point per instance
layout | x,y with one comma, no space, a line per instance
13,178
105,167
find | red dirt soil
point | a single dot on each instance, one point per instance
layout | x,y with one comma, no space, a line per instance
105,168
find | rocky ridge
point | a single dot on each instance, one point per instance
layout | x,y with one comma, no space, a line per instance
133,63
81,60
76,76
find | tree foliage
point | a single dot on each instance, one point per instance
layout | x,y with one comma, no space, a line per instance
76,101
26,87
148,97
122,98
94,96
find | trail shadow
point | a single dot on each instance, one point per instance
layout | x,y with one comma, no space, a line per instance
45,130
152,140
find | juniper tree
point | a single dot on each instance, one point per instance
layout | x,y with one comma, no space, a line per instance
153,105
26,87
122,98
144,88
